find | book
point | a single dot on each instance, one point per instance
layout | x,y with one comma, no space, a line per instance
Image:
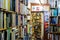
54,12
53,20
13,35
12,5
19,20
13,20
8,19
16,19
8,34
5,35
59,20
0,35
58,8
1,19
17,6
4,20
8,5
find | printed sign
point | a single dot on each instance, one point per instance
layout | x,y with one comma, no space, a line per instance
40,8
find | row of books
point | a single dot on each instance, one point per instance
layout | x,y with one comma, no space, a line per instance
55,29
9,19
55,20
10,5
8,35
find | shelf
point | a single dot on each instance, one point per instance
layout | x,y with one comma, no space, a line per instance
1,29
52,16
53,8
53,24
54,32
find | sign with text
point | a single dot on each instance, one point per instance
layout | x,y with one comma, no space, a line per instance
40,8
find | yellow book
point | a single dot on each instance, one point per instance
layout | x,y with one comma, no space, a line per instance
4,20
4,2
8,5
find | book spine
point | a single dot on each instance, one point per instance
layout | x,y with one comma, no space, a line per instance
13,35
19,20
4,20
8,5
4,4
2,35
1,19
17,6
12,5
8,34
16,19
13,20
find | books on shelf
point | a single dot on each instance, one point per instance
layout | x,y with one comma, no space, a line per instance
54,12
53,20
8,19
53,3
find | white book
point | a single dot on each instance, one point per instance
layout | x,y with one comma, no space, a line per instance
13,20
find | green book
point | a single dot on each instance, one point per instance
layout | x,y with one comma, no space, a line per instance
8,34
1,19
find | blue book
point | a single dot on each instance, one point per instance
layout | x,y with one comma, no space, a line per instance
16,19
53,20
55,12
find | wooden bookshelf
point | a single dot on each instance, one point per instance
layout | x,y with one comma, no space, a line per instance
2,29
54,32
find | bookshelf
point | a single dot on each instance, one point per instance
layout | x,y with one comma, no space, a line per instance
54,30
8,19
